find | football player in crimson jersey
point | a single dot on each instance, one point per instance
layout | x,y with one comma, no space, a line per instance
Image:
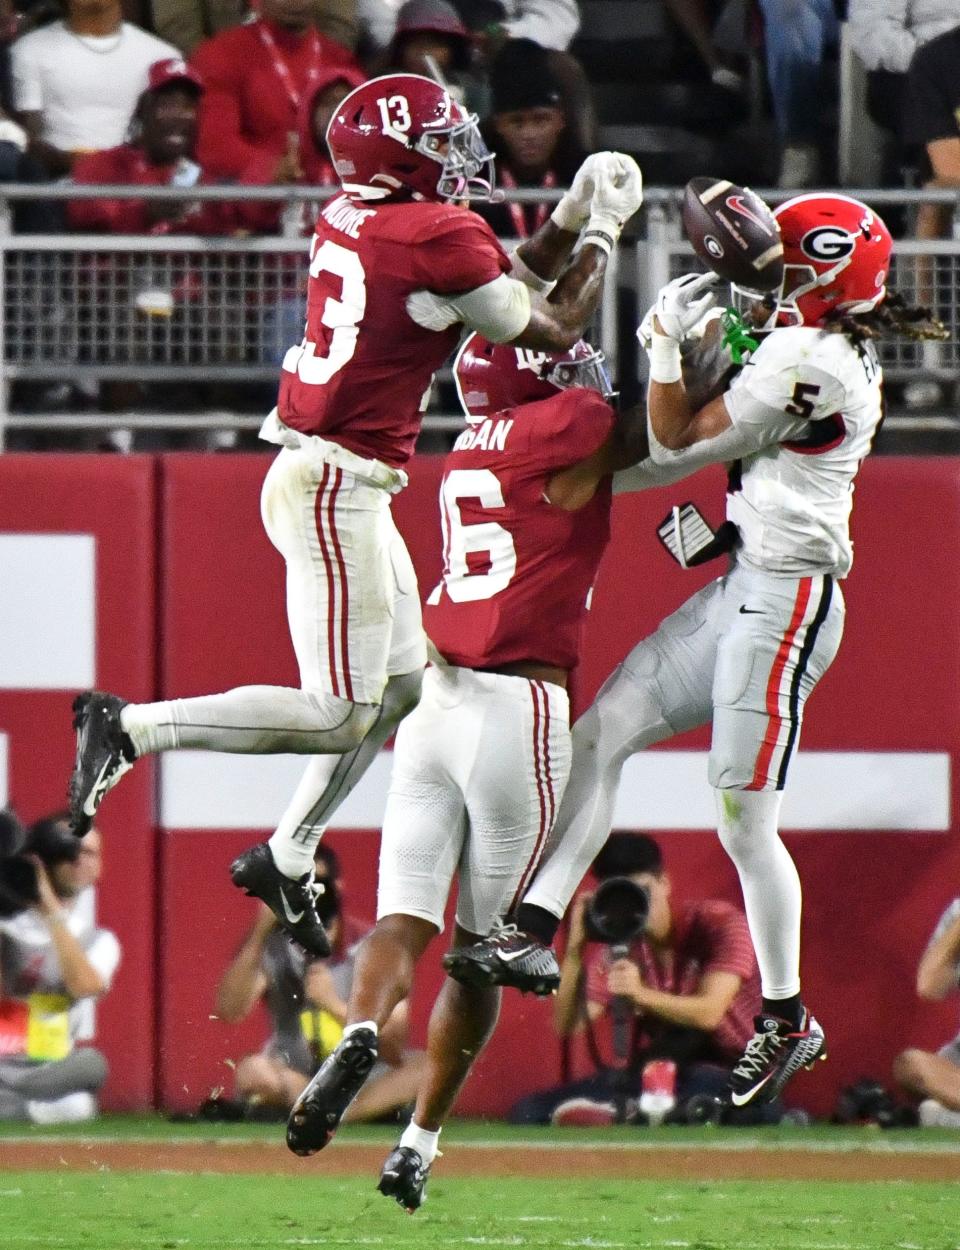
481,763
746,651
398,264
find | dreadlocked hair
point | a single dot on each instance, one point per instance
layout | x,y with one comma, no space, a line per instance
893,317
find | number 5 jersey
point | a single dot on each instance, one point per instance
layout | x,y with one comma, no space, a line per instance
517,570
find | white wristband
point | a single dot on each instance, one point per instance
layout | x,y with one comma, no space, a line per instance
664,356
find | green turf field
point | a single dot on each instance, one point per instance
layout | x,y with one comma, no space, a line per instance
115,1210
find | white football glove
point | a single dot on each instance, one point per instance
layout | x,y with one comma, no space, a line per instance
616,198
683,304
573,210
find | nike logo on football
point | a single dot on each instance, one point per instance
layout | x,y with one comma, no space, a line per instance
740,1100
745,611
294,918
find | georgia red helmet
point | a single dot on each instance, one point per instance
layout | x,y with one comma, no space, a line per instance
836,254
494,376
405,133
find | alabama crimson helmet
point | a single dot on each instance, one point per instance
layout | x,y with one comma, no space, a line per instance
493,376
836,254
405,134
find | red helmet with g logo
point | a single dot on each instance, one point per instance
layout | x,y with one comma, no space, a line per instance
836,254
405,134
493,376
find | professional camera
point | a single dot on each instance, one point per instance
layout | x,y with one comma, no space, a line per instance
47,839
618,912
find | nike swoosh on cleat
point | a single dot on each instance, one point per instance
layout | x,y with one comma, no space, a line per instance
740,1100
97,791
294,918
509,956
745,611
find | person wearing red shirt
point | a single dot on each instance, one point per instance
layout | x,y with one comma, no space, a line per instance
160,152
480,765
689,984
257,76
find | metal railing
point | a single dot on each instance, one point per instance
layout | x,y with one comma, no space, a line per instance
95,309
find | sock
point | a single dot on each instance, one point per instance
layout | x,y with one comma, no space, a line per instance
537,922
747,824
422,1141
328,779
360,1024
250,720
790,1009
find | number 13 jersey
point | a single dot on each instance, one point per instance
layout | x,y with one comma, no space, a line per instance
517,570
361,375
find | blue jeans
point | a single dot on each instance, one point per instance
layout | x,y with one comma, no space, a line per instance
796,35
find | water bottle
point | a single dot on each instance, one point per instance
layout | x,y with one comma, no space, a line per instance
658,1090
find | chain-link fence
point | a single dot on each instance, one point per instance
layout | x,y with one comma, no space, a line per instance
94,310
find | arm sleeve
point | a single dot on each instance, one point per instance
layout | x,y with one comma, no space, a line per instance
880,35
104,954
26,87
221,148
928,103
499,311
115,216
550,23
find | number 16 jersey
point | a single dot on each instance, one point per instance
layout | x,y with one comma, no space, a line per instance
361,375
517,570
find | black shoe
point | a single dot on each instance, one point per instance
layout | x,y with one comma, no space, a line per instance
317,1113
104,754
405,1178
773,1055
292,901
506,957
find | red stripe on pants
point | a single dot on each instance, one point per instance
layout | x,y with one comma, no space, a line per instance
328,567
344,588
535,691
775,720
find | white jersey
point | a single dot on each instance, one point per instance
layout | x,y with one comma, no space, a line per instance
807,404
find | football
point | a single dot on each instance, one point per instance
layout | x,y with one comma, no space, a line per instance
733,232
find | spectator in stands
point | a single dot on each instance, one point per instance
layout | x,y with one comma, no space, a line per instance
307,1003
797,35
187,23
431,29
77,81
160,151
256,77
529,133
696,18
54,962
884,37
690,983
935,1078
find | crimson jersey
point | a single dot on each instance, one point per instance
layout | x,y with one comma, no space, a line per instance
517,571
362,372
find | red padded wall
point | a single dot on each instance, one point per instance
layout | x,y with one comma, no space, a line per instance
871,898
112,498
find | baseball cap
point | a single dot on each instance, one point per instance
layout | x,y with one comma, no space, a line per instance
433,15
173,70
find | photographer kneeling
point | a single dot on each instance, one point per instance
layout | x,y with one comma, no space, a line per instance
674,982
54,962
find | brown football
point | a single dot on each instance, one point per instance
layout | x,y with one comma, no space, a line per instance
733,232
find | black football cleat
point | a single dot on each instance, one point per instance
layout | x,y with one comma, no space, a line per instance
507,957
317,1113
292,900
104,754
404,1178
775,1053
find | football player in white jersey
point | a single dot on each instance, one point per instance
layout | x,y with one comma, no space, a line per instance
747,650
